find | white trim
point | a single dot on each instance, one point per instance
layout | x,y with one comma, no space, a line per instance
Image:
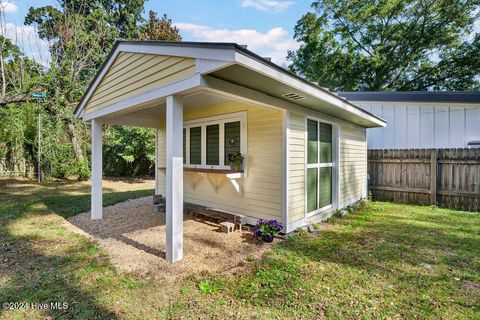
174,179
350,201
203,143
189,52
319,210
320,217
335,164
285,168
336,145
157,189
220,120
225,116
204,66
97,171
133,120
296,224
221,142
366,165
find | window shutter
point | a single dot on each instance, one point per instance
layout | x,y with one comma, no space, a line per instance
232,139
184,146
196,145
213,149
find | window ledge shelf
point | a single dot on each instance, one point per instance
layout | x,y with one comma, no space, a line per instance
206,170
234,176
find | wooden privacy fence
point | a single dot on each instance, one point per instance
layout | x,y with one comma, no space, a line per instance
448,178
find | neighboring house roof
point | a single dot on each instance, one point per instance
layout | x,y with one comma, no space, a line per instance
414,96
236,64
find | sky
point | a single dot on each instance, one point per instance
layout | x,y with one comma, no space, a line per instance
265,26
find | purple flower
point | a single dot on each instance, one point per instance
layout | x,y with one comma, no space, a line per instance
265,230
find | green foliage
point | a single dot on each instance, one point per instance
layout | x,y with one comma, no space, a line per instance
159,29
207,287
129,151
301,232
389,45
386,261
81,34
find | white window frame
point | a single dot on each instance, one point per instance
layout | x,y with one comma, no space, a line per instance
220,120
333,165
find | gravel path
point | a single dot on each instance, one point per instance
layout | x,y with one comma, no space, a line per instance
134,237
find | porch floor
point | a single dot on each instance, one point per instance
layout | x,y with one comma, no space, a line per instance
134,237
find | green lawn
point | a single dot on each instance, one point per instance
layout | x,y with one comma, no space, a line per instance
383,261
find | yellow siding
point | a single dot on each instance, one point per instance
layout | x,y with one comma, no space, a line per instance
352,162
262,188
135,73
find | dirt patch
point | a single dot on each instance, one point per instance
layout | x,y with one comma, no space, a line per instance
471,285
134,237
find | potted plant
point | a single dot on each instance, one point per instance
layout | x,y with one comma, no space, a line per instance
265,230
235,160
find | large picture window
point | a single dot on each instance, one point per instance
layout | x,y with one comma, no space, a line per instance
319,165
208,142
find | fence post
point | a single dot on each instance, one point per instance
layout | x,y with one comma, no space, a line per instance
433,176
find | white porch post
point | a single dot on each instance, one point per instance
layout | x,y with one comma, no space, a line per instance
174,192
97,197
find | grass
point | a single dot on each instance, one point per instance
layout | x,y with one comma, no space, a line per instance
383,261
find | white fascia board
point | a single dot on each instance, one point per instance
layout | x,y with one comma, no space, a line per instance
304,87
180,51
190,83
205,66
133,121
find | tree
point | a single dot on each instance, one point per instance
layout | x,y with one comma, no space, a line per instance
159,29
388,45
80,40
81,33
123,15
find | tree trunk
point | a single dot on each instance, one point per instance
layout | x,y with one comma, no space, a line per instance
77,146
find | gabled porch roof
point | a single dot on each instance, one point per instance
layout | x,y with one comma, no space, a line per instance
227,69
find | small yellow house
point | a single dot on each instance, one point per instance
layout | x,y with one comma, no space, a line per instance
304,148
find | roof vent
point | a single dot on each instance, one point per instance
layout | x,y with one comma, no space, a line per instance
244,46
269,59
293,96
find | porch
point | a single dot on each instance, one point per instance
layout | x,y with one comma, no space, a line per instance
200,174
